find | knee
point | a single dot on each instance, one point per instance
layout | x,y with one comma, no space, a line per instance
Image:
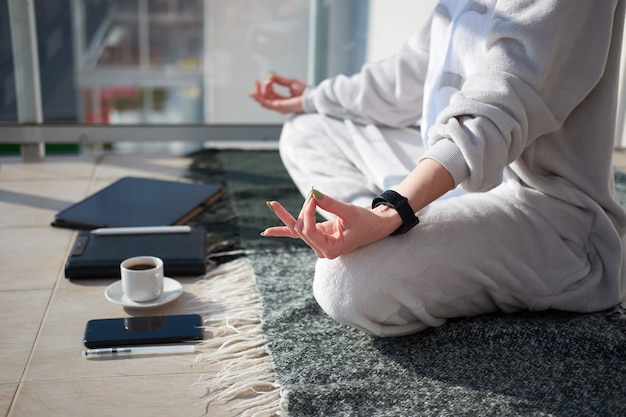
350,295
289,131
332,290
292,140
297,128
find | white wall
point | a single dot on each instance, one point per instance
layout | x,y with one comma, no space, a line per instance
244,41
391,22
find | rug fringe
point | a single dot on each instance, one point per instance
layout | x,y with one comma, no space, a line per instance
245,379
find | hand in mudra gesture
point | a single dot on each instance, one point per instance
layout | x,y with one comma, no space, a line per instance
353,226
266,95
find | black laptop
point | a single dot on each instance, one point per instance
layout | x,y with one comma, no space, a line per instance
134,201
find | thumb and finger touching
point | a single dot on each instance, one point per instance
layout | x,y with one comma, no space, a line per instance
327,239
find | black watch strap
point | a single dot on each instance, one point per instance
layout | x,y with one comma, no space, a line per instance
401,205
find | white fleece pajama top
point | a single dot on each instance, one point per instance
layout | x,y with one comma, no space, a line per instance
521,91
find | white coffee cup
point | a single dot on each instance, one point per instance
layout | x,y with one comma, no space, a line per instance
142,278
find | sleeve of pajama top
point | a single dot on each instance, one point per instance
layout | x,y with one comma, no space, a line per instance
536,62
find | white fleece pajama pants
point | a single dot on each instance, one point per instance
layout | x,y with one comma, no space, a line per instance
508,249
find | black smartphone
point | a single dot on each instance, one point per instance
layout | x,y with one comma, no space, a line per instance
133,331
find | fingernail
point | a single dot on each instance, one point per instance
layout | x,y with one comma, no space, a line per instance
262,233
317,194
267,203
308,196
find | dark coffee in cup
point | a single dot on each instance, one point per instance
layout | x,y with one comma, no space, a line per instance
141,267
142,278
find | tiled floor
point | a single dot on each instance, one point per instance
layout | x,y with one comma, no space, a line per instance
43,314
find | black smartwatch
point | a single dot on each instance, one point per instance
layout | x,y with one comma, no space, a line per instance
401,205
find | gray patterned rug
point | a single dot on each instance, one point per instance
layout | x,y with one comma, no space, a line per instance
525,364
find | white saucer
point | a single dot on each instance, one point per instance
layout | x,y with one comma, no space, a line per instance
171,291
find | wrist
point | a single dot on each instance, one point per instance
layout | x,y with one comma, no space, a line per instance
393,201
307,103
390,219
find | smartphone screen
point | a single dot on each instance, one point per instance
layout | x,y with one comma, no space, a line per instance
133,331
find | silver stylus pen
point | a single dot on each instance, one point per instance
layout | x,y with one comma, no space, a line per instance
140,230
139,350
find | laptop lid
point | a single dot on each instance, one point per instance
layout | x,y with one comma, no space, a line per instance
134,201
